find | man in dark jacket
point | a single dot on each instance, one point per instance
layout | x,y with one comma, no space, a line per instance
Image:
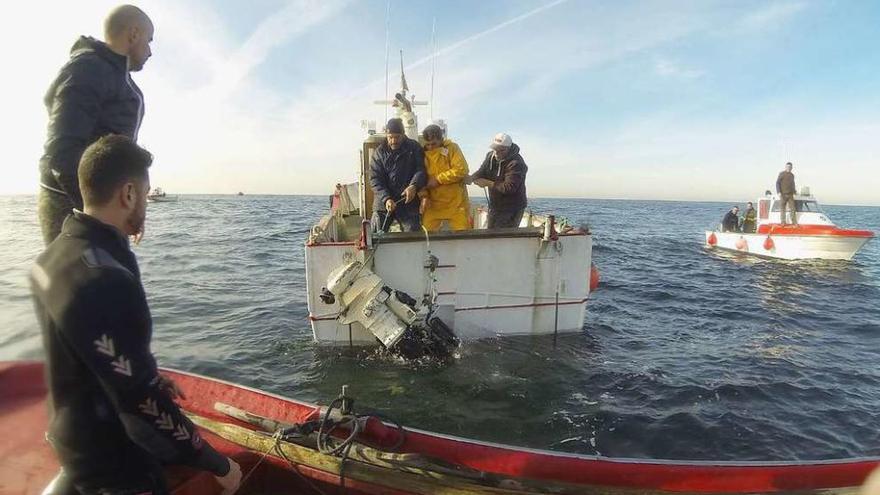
786,189
397,173
503,173
113,419
93,95
730,222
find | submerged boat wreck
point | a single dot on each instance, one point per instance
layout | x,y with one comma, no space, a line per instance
366,287
286,446
814,236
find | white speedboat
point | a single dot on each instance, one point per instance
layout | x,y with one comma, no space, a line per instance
367,288
157,195
814,237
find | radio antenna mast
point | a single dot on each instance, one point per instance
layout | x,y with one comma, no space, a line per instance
433,63
387,36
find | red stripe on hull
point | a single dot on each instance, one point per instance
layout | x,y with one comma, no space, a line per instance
806,230
515,306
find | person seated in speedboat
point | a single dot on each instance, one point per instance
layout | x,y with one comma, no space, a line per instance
397,172
750,219
503,174
445,195
730,223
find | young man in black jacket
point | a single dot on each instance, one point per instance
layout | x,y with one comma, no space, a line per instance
93,95
503,174
113,419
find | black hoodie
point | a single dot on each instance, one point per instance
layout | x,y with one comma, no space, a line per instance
509,174
92,96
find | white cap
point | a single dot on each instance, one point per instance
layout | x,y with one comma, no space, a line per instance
501,140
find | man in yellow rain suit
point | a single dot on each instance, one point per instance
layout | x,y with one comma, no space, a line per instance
445,196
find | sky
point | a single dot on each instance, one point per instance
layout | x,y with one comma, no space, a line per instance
640,100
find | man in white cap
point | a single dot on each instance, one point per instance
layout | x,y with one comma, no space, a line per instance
503,174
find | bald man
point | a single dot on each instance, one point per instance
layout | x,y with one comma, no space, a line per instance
92,96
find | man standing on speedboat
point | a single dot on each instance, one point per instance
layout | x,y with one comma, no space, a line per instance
786,189
113,419
92,96
503,174
397,173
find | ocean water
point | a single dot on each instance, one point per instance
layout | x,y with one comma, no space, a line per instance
685,353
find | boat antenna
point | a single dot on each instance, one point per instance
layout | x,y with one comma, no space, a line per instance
403,87
433,61
387,36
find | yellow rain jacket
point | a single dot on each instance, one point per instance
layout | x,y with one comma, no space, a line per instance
449,200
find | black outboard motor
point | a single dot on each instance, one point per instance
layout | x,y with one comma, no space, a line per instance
431,338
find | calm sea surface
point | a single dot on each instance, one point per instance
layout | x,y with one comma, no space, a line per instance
685,354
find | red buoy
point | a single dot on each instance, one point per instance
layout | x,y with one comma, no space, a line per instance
741,244
594,277
768,243
712,240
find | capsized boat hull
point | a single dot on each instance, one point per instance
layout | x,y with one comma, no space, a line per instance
455,465
788,246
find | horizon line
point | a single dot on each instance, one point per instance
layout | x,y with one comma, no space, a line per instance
666,200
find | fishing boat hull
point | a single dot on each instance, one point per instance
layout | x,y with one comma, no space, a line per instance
423,462
501,283
792,245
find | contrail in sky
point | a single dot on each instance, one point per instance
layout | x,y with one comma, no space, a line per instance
460,43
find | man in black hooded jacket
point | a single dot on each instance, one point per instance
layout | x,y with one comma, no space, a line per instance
92,96
503,174
113,419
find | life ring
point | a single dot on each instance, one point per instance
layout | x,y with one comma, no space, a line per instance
769,244
712,240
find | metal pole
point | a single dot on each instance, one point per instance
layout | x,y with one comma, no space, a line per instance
556,318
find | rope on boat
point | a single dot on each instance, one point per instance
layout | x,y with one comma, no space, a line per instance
277,438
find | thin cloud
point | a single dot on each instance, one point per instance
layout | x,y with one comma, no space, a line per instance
772,15
669,69
279,28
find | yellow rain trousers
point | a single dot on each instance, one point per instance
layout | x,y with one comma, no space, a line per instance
449,200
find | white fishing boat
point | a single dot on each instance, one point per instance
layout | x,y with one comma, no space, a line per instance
814,236
157,195
367,288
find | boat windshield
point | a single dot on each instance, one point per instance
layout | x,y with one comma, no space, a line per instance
800,205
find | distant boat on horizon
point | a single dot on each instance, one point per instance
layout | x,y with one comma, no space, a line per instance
240,193
157,195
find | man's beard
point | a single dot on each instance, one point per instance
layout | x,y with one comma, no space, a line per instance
135,222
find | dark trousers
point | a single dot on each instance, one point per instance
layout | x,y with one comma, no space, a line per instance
787,201
52,209
504,218
409,220
149,482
